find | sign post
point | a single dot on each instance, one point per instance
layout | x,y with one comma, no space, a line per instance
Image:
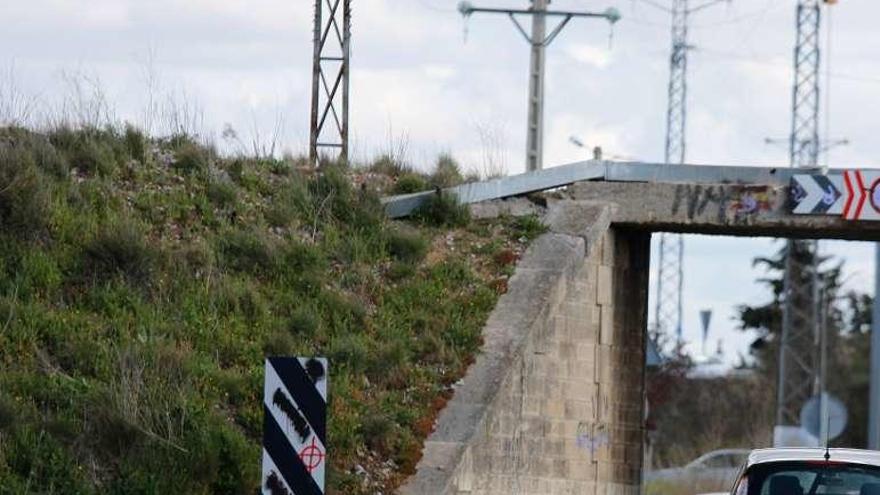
294,426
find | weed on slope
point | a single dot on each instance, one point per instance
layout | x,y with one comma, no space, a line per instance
143,281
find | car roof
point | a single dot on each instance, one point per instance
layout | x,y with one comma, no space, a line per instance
855,456
718,452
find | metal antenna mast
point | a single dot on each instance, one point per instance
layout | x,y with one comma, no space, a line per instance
668,311
539,40
330,77
798,351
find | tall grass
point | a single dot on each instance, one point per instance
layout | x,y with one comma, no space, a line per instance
143,281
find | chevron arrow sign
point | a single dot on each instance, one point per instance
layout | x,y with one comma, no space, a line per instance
294,426
818,194
853,194
862,195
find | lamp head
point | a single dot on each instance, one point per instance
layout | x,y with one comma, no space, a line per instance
612,14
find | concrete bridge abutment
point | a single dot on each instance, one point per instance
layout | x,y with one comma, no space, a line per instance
554,404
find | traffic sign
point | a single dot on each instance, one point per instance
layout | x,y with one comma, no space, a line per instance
294,426
818,194
811,417
862,195
853,194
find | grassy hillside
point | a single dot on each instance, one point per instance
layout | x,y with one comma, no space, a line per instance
143,281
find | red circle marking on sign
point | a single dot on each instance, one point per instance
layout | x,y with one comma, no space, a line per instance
875,195
312,456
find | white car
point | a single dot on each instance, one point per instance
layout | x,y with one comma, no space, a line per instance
809,471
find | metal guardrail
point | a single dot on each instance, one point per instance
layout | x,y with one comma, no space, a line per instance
598,170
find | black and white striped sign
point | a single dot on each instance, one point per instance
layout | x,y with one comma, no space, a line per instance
294,426
818,194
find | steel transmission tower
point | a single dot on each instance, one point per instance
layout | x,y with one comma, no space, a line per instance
330,76
539,40
798,350
670,275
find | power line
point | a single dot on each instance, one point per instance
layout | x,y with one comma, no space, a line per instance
770,6
430,6
656,5
769,63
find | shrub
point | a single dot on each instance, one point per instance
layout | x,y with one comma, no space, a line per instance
8,412
221,194
409,183
400,271
331,194
369,214
447,172
246,250
407,246
24,193
279,343
119,248
191,158
45,155
303,321
282,168
135,143
377,430
443,210
390,166
302,257
192,259
91,152
285,207
529,226
349,351
38,273
234,296
342,313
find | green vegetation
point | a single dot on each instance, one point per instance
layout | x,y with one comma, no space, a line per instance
143,281
692,415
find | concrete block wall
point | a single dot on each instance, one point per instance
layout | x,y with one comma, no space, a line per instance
554,404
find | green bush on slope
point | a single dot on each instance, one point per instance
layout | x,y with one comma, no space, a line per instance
139,296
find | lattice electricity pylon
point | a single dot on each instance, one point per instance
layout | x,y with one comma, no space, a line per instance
668,311
670,275
798,350
330,77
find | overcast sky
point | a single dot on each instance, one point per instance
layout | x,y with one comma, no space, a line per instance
426,81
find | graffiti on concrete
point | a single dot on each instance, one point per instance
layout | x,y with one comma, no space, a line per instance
751,201
729,203
589,441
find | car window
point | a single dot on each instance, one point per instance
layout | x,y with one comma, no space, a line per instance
813,478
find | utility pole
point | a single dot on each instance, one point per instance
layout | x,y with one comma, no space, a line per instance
535,130
799,360
670,276
330,79
874,402
539,40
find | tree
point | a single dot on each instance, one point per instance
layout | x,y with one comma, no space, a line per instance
848,320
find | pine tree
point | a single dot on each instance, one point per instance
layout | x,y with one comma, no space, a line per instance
848,319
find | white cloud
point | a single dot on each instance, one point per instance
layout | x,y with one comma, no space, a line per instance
589,55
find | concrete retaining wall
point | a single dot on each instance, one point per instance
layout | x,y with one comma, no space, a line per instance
554,403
